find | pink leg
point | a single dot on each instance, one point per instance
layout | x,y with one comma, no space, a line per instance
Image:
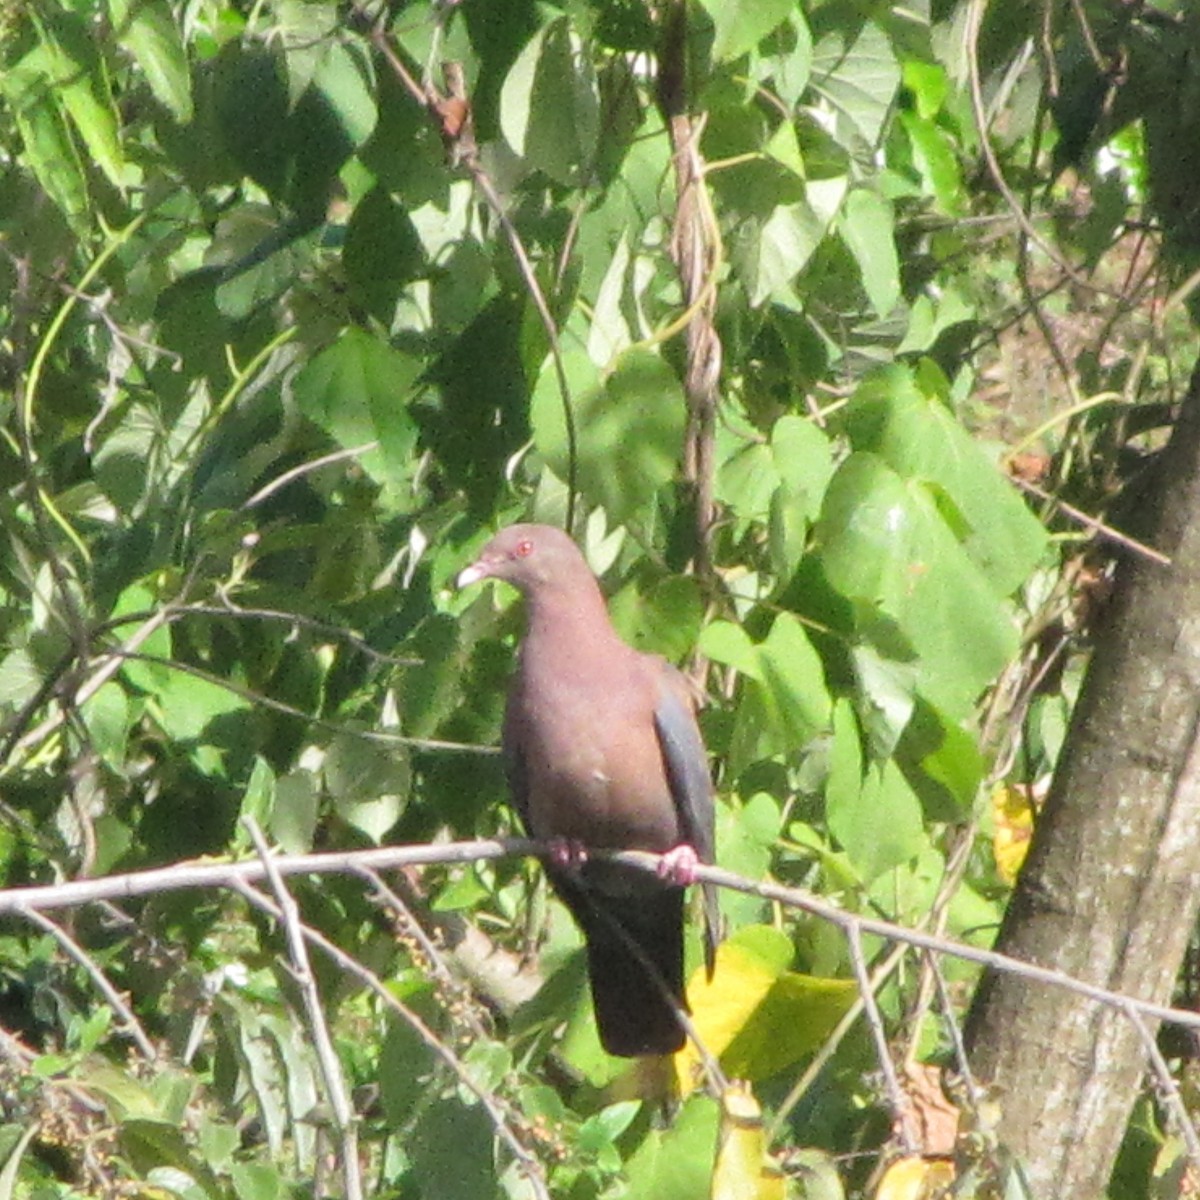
567,854
678,866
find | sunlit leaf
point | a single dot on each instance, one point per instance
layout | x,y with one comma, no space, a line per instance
356,390
1012,818
549,106
867,229
742,1170
147,30
741,24
629,427
754,1014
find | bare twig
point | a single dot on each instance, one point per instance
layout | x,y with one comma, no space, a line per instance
1094,524
109,664
974,1094
453,113
344,1118
177,610
897,1101
306,468
1168,1090
119,655
971,37
187,876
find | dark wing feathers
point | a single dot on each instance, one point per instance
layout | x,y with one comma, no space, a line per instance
691,789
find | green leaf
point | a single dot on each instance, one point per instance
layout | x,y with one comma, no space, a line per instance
919,596
147,30
866,227
803,460
107,716
665,619
788,67
75,71
769,254
294,815
943,763
746,482
881,826
382,252
357,391
746,837
451,1150
929,85
258,801
934,157
929,319
902,419
784,701
150,677
186,704
346,85
886,697
368,783
784,147
860,77
630,430
794,680
256,1181
741,24
727,643
676,1163
16,1142
48,148
843,784
550,105
262,254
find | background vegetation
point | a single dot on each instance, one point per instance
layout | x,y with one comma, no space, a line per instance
842,334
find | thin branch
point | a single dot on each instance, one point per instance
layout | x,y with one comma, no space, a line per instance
306,468
187,876
1094,524
109,664
74,951
344,1117
970,1085
1168,1090
264,701
176,611
897,1101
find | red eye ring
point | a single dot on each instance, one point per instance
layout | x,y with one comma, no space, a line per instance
524,548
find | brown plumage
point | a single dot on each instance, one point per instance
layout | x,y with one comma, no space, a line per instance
603,752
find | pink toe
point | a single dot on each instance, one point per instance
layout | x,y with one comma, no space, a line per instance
678,866
567,854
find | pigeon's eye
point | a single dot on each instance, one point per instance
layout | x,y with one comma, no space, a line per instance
524,548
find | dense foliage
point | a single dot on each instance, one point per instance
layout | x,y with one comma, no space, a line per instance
285,340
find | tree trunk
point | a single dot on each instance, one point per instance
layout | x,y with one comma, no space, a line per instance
1110,890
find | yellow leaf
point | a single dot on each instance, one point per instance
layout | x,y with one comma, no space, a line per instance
1012,815
756,1016
742,1171
915,1179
